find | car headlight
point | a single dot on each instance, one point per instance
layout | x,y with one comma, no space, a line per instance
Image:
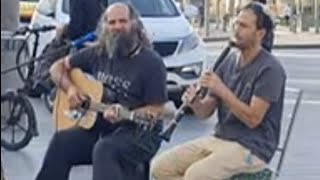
189,43
192,70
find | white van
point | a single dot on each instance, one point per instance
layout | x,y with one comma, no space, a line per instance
173,38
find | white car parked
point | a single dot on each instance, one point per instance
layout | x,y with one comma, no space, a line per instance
173,38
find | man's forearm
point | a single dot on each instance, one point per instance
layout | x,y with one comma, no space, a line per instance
60,75
240,109
155,110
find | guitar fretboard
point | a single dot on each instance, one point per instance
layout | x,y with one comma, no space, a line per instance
123,113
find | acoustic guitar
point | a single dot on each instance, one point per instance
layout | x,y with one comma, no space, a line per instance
85,116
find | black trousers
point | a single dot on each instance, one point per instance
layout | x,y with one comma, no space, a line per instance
116,152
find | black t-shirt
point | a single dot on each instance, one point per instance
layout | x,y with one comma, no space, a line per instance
265,78
132,82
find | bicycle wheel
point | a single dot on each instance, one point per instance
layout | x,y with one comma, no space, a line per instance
23,56
17,121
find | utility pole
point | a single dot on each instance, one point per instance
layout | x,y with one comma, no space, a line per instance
9,14
206,18
316,15
9,22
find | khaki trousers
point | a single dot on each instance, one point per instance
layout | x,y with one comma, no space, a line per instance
207,158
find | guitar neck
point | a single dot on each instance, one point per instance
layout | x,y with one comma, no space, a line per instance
123,113
98,107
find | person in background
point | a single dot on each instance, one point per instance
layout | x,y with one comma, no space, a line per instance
287,13
84,17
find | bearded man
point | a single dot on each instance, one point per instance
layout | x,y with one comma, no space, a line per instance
134,76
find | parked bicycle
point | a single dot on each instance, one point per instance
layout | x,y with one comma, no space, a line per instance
18,120
23,53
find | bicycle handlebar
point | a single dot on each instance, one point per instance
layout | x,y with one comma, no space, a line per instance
79,43
25,29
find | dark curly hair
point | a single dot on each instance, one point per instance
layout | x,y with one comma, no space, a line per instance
264,20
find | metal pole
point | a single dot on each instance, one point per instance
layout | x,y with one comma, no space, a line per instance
316,15
206,18
9,22
9,14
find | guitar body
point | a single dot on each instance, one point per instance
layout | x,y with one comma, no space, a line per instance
92,88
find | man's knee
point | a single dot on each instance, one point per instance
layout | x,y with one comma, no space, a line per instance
161,168
200,170
105,148
155,169
195,172
59,141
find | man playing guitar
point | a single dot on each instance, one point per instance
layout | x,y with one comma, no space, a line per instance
134,76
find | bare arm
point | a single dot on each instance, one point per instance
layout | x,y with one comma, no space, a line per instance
152,111
59,73
252,114
155,110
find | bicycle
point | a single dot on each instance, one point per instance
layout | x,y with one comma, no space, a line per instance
23,55
18,120
39,82
19,105
26,64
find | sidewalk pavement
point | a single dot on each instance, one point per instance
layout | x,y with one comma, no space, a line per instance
283,38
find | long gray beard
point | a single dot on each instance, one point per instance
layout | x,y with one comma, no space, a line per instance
121,45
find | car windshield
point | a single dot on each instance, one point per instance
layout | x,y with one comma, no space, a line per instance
146,8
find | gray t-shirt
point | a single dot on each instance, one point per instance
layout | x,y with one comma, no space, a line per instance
264,77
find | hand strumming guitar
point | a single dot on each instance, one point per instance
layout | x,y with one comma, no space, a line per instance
75,97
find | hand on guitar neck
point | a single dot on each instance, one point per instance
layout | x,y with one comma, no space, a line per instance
115,113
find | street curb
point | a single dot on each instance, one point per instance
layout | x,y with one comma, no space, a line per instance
276,46
296,46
